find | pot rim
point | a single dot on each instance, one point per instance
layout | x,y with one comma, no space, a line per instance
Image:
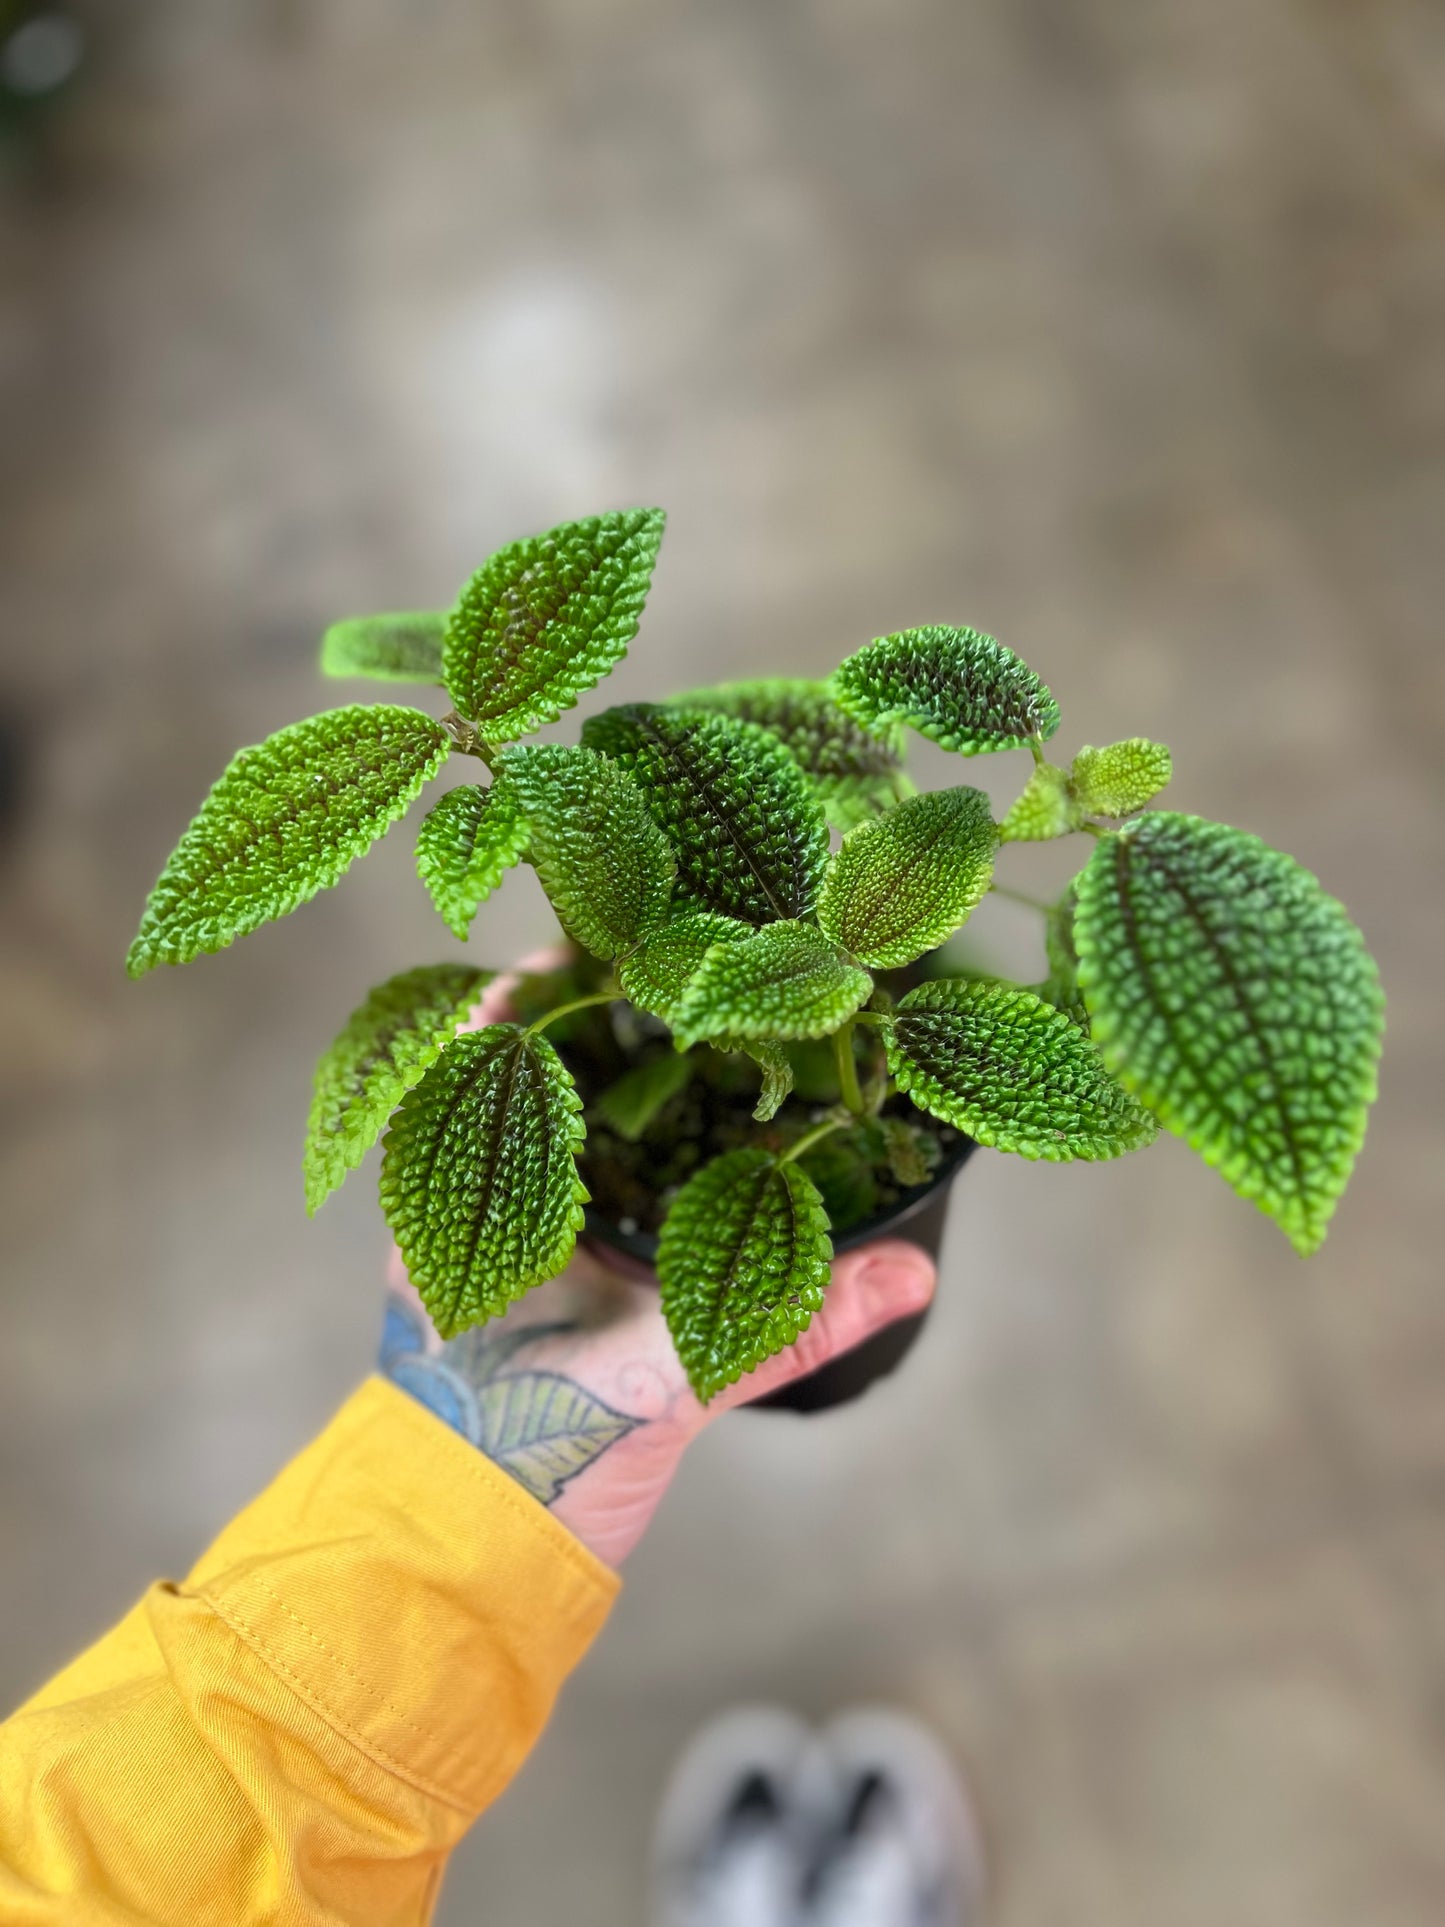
639,1248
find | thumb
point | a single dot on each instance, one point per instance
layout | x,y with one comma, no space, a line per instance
870,1288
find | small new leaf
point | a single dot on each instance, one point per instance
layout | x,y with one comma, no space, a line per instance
467,842
1011,1071
656,975
400,648
785,980
287,819
902,883
1121,777
601,859
957,686
743,1262
857,774
479,1178
1043,810
777,1069
912,1153
631,1104
389,1043
749,833
1239,1002
545,618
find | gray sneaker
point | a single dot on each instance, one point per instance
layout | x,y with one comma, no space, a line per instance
734,1835
904,1850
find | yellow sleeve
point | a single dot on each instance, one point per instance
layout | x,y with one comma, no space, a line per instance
303,1730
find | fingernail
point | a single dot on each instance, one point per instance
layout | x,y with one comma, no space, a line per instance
897,1286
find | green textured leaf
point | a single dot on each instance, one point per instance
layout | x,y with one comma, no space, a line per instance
856,773
743,1263
1121,777
287,819
749,834
389,1042
843,1165
912,1154
544,1429
1043,810
785,980
631,1104
1061,987
1012,1071
904,882
958,687
400,648
656,974
479,1178
467,842
545,618
1238,1001
777,1069
602,860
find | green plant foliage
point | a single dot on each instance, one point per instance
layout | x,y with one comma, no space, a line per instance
902,883
631,1104
389,1042
286,819
400,648
777,1069
1121,777
843,1166
479,1180
1043,810
602,860
912,1154
1061,987
785,980
856,773
545,618
958,687
1012,1071
656,975
749,834
1238,1001
1194,976
467,842
743,1262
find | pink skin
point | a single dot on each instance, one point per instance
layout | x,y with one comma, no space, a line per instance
621,1352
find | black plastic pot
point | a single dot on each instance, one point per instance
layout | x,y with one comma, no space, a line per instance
919,1217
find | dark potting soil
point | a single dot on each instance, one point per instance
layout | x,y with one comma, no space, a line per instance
862,1171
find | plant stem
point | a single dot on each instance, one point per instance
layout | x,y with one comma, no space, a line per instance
810,1138
467,738
610,996
1020,896
848,1086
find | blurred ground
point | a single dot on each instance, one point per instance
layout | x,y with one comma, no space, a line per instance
1114,330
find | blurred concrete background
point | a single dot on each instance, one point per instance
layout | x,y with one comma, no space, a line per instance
1115,330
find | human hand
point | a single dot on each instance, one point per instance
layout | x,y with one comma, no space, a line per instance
578,1393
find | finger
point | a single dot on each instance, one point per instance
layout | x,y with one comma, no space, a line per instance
870,1288
496,1001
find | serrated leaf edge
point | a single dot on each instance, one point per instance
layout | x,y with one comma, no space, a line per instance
1305,1231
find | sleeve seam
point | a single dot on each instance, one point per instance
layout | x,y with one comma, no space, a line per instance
378,1754
372,1692
500,1484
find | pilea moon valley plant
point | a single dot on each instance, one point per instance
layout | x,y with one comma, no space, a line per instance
749,1036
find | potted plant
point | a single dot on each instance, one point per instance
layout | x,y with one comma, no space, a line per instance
748,1048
